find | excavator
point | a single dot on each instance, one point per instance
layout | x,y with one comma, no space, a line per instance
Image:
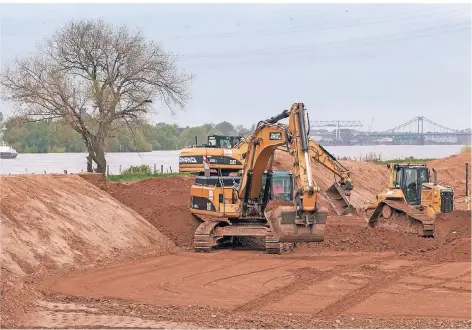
411,201
222,155
240,203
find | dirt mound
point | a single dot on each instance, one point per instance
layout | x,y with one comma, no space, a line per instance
54,221
451,172
453,236
341,236
452,243
368,178
164,202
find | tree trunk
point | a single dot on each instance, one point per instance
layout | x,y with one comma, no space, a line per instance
89,163
100,159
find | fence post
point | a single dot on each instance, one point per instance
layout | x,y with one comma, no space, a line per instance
155,169
120,169
162,169
108,170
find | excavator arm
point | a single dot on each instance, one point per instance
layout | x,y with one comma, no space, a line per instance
303,221
323,157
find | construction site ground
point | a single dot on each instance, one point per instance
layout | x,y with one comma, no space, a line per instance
99,254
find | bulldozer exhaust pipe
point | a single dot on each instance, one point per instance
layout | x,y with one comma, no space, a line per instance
435,177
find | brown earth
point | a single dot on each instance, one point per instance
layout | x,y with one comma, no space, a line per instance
52,222
358,277
56,221
163,202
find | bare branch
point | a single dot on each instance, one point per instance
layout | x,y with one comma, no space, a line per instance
90,74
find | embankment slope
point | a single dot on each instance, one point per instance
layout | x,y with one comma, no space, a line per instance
164,202
53,221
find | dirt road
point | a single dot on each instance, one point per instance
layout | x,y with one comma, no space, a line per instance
326,287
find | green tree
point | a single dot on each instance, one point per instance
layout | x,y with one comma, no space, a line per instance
226,128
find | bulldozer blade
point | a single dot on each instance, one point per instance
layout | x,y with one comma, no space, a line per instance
286,227
338,200
402,217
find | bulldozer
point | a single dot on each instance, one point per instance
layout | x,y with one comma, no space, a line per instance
411,201
240,202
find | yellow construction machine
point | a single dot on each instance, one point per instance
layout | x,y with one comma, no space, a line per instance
240,202
221,154
411,201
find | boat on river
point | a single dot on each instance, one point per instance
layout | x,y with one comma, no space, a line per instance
7,152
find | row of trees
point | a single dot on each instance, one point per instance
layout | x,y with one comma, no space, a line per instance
57,136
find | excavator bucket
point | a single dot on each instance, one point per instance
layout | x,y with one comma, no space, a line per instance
401,217
286,227
338,199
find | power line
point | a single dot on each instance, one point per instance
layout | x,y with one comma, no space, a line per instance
382,38
329,26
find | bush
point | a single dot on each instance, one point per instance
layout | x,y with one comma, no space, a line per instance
142,169
466,148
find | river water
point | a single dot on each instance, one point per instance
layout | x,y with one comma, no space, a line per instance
76,162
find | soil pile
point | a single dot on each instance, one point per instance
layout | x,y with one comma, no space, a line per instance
55,221
452,242
451,172
164,202
453,235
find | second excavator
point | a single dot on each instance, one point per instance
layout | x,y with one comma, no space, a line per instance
240,203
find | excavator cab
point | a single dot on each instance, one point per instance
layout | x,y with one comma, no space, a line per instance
223,141
281,187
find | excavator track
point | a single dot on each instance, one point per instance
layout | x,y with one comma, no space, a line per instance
204,238
402,217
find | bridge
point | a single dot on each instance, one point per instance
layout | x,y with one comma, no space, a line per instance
419,130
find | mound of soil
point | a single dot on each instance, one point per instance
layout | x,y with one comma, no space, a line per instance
453,242
54,221
453,235
164,202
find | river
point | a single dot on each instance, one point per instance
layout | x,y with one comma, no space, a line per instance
76,162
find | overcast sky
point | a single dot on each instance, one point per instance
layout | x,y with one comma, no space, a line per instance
345,62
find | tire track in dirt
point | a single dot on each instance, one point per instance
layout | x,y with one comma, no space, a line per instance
380,280
303,278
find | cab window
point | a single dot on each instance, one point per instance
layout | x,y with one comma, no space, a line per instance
212,141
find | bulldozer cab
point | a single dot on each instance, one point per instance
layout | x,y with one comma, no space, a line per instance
225,141
410,179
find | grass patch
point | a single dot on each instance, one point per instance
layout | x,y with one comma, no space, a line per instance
466,148
142,176
142,172
411,160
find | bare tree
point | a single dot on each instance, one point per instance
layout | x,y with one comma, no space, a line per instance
94,75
